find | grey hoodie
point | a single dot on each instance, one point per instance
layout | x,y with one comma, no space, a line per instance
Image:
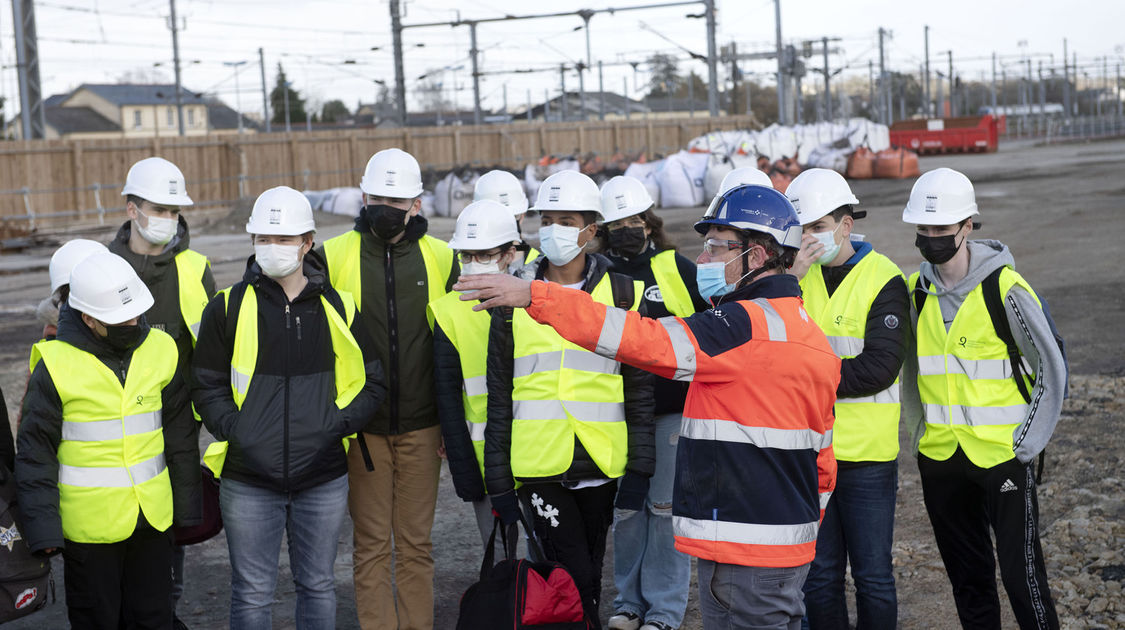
1033,336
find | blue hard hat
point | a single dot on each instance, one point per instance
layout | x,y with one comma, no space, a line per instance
757,208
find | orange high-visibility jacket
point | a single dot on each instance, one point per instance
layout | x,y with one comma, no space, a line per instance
755,465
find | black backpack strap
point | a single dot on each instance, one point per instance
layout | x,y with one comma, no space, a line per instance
623,292
920,294
994,302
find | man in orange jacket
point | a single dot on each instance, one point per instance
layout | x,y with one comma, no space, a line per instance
755,465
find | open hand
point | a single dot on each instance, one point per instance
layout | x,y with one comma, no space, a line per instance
494,289
811,249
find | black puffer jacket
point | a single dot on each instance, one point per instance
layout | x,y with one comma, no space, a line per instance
638,386
287,436
37,463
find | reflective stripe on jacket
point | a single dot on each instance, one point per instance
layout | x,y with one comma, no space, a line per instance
866,428
111,457
965,383
755,466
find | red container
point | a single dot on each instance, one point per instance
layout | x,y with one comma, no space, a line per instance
965,134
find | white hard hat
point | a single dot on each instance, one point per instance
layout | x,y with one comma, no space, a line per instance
105,287
281,211
624,197
392,173
739,177
159,181
66,257
820,191
942,196
569,191
503,188
484,224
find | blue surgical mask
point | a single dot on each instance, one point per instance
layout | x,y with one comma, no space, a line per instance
712,279
559,243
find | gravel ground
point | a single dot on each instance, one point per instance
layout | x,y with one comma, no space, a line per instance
1058,208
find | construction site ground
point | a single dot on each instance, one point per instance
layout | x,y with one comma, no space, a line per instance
1058,208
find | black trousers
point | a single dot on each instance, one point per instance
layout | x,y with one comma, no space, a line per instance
572,526
124,585
963,500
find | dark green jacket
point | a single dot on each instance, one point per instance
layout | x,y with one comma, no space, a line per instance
393,309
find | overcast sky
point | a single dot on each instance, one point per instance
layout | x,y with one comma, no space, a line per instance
98,41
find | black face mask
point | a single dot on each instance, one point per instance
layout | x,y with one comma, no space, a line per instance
937,249
386,221
123,338
628,240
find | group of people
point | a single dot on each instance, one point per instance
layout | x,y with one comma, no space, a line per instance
742,409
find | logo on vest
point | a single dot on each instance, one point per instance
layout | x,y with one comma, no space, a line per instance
9,536
844,320
1008,486
26,597
965,342
652,294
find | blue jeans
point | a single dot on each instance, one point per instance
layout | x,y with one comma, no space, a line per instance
652,578
858,527
255,519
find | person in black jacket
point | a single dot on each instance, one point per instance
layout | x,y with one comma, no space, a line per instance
281,378
103,500
652,577
858,297
546,397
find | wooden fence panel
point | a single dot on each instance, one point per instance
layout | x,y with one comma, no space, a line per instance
68,179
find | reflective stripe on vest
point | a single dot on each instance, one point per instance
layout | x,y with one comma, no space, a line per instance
190,267
965,381
111,457
350,372
866,427
562,391
467,330
677,300
343,255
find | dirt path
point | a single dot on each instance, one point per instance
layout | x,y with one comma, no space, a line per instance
1057,208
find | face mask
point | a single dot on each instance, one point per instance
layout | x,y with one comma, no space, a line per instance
278,261
831,247
473,268
629,240
123,338
712,280
937,249
386,221
159,231
559,243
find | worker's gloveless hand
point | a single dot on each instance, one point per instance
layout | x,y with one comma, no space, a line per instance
494,289
811,249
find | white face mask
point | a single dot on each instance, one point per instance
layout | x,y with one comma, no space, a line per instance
159,231
278,261
831,247
559,243
474,267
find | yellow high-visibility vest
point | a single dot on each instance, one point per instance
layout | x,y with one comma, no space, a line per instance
866,428
677,299
343,254
349,369
562,391
190,266
111,457
467,330
965,382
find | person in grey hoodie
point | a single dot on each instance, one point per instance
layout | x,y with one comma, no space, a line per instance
975,432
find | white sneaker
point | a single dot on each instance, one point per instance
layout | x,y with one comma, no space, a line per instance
656,625
624,621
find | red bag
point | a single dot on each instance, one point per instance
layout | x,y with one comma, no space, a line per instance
521,594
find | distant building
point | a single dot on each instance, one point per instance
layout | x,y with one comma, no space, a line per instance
133,111
616,107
